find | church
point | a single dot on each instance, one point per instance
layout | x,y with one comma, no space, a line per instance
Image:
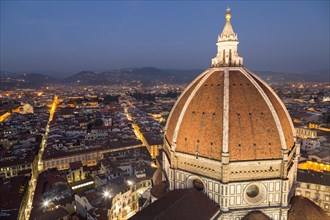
229,146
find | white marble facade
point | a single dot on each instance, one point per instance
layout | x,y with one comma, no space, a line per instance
272,196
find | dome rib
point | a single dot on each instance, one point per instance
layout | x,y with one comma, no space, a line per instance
182,114
201,129
285,118
271,107
253,134
225,135
178,105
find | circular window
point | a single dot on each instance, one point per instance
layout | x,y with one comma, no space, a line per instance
252,191
198,184
255,193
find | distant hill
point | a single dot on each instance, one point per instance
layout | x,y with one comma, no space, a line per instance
151,75
145,75
279,78
10,80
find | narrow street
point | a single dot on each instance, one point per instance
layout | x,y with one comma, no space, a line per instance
4,116
136,128
37,167
138,133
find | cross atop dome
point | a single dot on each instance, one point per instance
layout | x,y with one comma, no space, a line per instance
228,32
228,16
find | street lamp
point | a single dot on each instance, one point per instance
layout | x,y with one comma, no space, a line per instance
129,182
45,204
106,195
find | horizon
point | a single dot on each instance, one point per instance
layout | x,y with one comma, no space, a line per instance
64,41
61,76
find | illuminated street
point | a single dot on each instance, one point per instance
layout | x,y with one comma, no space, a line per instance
137,132
4,116
37,167
142,134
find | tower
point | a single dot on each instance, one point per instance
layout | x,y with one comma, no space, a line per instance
230,137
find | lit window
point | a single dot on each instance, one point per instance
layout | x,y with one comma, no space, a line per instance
327,198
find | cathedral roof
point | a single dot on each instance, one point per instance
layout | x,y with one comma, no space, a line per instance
256,215
310,176
191,204
179,204
230,110
304,209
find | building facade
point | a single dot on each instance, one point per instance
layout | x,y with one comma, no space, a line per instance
11,170
126,202
89,158
306,133
315,186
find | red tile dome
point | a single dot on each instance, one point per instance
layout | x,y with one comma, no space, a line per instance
229,109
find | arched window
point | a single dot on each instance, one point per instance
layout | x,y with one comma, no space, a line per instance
198,185
230,63
223,57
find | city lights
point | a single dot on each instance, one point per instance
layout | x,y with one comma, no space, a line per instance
98,136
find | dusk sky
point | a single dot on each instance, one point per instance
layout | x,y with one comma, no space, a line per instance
70,36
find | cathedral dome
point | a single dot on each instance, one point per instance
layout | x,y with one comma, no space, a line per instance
229,109
230,137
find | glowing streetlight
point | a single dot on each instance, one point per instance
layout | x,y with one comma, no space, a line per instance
106,194
46,203
129,182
